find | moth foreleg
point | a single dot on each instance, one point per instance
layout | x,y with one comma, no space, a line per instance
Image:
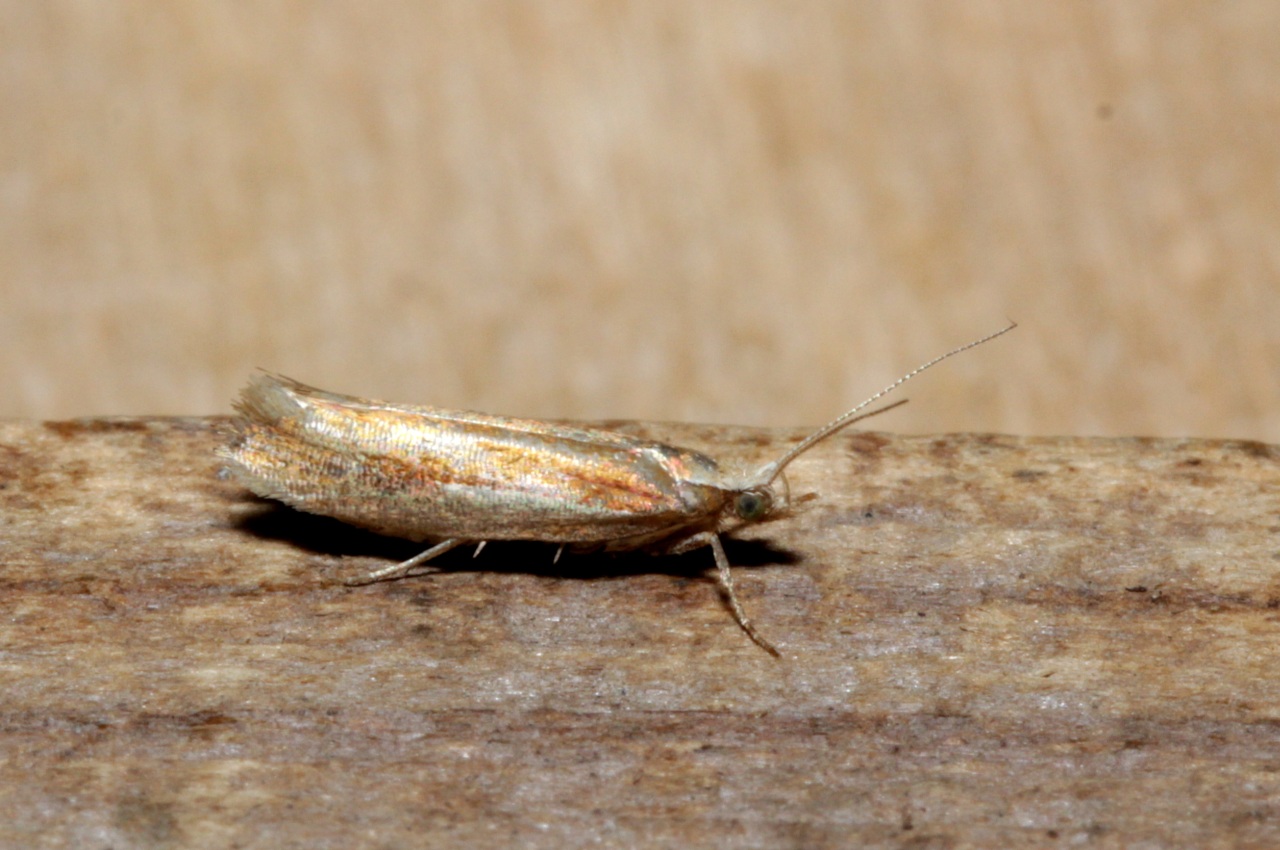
401,569
725,580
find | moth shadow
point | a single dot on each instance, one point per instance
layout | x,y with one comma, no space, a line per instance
326,536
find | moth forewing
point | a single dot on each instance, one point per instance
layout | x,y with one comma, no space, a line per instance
457,477
424,473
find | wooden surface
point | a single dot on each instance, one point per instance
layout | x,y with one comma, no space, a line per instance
988,641
711,211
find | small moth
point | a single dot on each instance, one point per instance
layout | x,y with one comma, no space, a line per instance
455,477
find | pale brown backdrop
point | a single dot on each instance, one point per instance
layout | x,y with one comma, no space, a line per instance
747,212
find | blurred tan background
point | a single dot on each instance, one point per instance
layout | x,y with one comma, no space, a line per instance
730,212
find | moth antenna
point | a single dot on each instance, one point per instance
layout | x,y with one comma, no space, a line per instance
774,469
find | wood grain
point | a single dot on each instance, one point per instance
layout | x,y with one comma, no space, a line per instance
988,641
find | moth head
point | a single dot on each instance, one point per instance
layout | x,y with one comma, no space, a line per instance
757,499
761,500
753,505
765,494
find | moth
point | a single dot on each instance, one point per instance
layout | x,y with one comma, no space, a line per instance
452,477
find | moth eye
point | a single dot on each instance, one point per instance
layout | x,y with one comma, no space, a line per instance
751,505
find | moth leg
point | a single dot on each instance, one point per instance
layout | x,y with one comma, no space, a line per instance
401,569
726,585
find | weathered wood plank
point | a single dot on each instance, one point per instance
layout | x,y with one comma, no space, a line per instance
988,641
